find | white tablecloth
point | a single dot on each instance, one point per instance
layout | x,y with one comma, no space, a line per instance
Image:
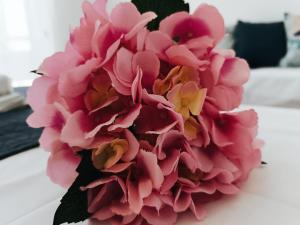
270,197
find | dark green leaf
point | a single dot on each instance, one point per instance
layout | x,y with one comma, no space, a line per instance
74,204
162,8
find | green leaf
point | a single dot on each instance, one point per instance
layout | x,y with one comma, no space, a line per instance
162,8
74,204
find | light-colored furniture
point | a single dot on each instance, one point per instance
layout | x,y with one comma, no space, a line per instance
270,197
274,87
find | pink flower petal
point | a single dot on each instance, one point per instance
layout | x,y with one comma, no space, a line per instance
149,63
235,72
120,209
165,216
198,210
158,42
81,38
133,147
64,160
93,132
74,82
95,11
180,55
44,117
103,214
182,201
227,98
123,66
210,16
42,92
134,199
136,89
127,120
145,187
74,130
228,189
50,140
145,19
169,24
118,168
60,62
128,11
149,160
169,182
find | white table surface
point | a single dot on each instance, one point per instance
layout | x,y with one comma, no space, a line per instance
270,197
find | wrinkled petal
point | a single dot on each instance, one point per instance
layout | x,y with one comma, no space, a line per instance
64,160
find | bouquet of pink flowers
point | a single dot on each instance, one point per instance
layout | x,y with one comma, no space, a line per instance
138,114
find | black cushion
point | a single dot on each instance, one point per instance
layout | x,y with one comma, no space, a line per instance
261,44
15,135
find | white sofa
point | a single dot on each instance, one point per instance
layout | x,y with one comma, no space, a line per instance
274,87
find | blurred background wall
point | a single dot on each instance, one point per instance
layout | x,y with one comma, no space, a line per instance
30,30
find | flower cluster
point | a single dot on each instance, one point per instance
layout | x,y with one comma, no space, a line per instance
154,108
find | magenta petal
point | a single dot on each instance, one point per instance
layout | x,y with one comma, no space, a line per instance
169,24
213,20
133,147
64,160
111,51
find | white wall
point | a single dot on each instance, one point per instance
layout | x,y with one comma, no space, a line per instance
252,10
49,22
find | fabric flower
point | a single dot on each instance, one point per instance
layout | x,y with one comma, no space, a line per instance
154,110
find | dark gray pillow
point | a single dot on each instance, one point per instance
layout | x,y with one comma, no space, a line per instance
261,44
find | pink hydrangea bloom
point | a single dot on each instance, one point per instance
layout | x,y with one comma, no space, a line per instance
155,110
